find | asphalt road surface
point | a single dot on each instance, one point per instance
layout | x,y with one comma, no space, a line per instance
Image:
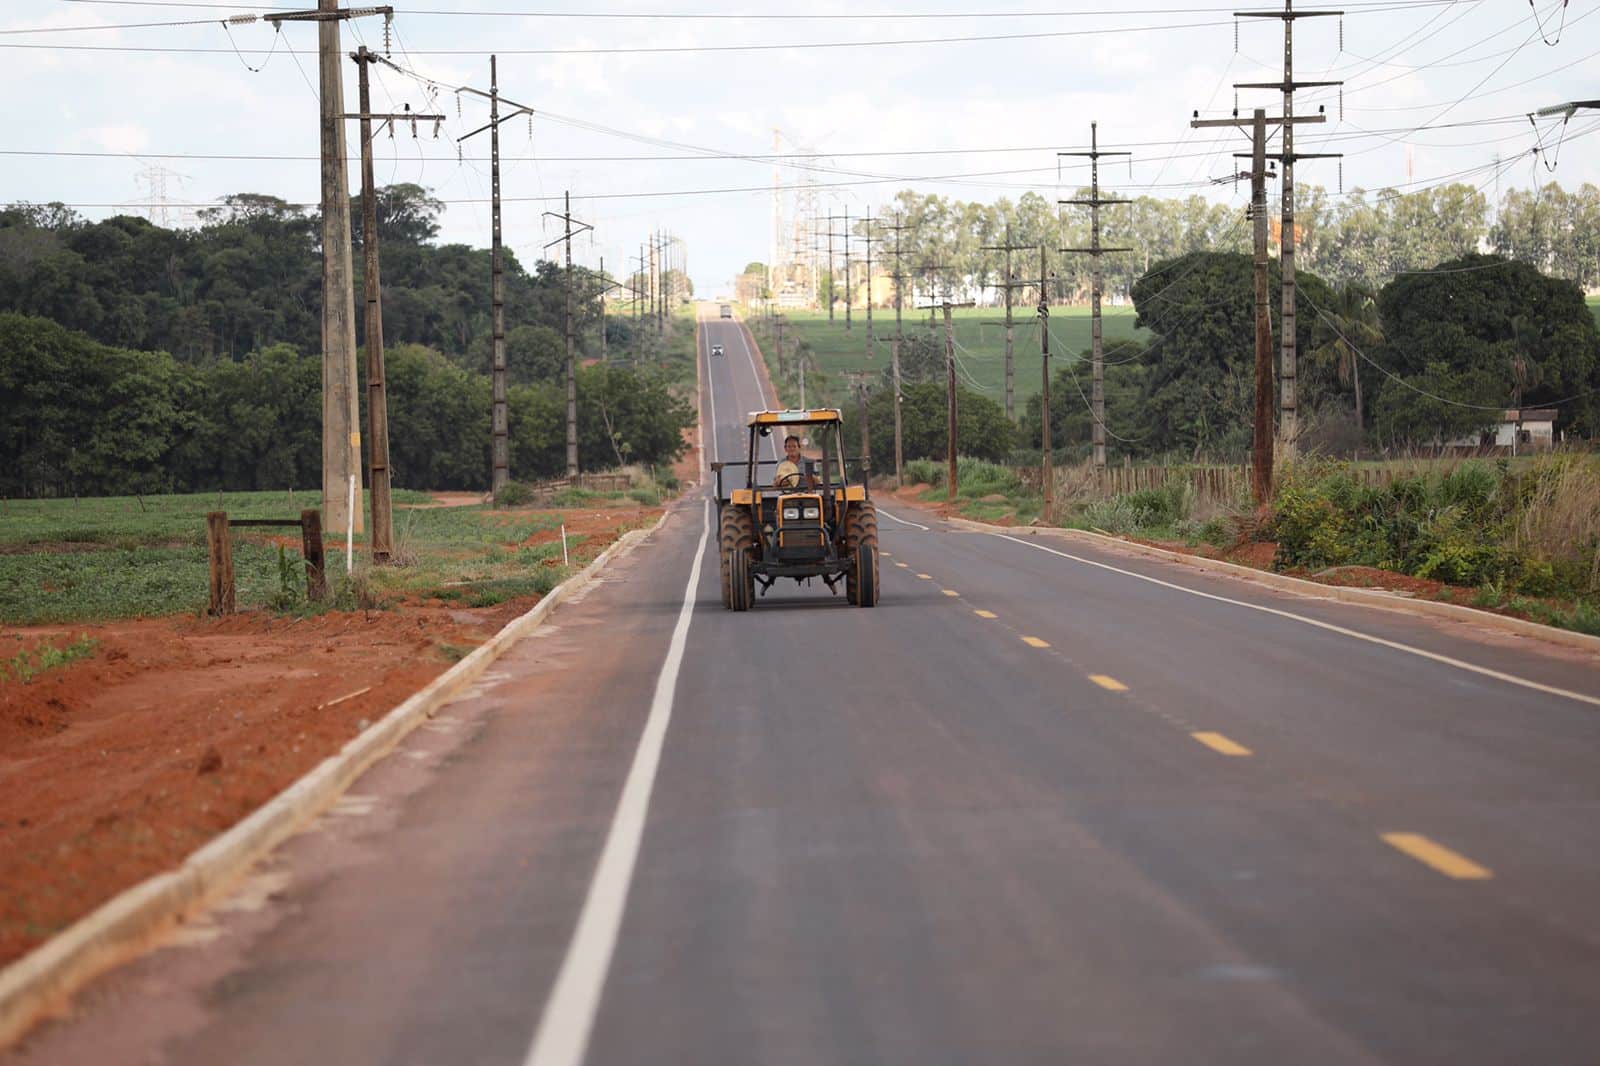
1048,803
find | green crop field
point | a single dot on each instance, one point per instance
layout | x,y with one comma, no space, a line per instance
980,344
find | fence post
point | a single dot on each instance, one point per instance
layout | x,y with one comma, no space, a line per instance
220,549
311,549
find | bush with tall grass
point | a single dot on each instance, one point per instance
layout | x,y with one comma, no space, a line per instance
1536,530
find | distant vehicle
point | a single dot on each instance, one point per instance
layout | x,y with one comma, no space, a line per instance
727,311
716,349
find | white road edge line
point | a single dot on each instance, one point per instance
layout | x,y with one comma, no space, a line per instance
902,521
567,1022
1459,664
704,341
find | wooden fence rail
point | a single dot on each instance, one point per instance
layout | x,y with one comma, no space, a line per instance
219,544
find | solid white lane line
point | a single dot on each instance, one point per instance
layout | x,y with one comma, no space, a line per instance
761,390
711,386
568,1019
902,521
1459,664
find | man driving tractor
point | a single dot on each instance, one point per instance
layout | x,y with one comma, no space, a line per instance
788,474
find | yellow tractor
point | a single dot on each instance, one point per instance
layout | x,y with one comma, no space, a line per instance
806,515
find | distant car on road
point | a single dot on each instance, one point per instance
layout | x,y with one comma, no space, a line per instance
727,311
716,349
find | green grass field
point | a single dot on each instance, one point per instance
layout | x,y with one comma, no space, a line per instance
64,561
980,344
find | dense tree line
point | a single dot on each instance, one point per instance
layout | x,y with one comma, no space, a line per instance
81,417
1365,236
142,359
1430,357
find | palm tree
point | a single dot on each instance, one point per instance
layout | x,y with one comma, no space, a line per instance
1355,328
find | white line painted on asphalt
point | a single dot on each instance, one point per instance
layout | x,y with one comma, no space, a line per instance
568,1019
711,387
1459,664
902,521
761,390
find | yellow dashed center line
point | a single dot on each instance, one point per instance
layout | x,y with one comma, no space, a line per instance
950,592
1035,642
886,554
1106,681
1221,744
1448,862
985,614
902,566
926,577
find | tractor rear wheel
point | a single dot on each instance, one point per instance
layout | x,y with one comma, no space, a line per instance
861,528
736,531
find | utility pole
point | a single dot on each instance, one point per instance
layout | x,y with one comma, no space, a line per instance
951,442
898,226
605,356
832,287
1289,428
1097,397
572,356
1046,457
500,422
381,539
1009,284
861,379
848,295
341,435
872,347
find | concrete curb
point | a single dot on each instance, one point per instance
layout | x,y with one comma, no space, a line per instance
1313,589
42,982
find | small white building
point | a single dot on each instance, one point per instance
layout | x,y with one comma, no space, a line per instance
1519,430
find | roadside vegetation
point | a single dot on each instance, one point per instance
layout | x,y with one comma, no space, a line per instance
1521,536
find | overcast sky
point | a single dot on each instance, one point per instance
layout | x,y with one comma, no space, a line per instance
1435,90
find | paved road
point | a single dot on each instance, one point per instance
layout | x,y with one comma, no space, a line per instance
1048,803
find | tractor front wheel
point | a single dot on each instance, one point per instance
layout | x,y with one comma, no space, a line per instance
736,531
861,530
742,582
865,573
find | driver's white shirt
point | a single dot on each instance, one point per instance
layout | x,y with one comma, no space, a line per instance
786,471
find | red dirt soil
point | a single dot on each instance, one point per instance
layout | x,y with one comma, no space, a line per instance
116,767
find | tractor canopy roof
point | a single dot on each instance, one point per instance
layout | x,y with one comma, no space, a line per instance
816,416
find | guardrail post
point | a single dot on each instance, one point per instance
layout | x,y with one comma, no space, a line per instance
311,549
219,542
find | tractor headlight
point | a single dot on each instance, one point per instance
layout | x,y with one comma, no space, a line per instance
813,512
790,514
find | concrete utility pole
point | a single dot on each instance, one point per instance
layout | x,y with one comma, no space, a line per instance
1262,430
605,355
572,355
1285,122
1097,397
898,226
500,423
872,348
1009,284
341,435
378,477
848,294
1289,427
951,436
833,288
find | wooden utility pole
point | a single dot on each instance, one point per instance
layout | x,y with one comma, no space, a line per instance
500,450
1260,452
862,379
1097,397
1009,284
1262,430
572,354
341,435
378,476
1289,426
950,420
1047,478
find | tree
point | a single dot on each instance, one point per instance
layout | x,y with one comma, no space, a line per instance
1488,330
982,429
